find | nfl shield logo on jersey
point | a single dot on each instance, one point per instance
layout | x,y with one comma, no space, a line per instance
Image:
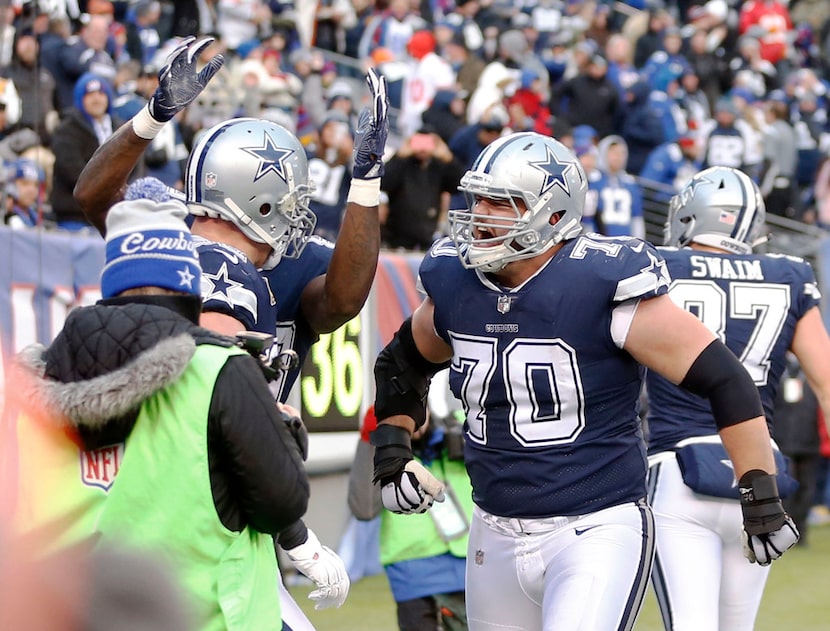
503,305
479,558
210,179
100,466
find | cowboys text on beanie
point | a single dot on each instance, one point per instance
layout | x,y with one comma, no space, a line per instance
149,245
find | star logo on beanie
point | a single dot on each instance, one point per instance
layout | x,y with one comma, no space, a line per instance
271,158
186,278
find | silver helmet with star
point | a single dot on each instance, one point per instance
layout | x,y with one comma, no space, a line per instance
541,178
253,173
720,207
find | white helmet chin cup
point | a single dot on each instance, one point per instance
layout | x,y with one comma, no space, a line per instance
253,173
536,170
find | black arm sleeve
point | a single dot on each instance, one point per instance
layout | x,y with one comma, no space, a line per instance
256,471
402,377
718,375
296,534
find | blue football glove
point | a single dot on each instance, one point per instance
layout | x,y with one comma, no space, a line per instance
372,129
179,83
768,529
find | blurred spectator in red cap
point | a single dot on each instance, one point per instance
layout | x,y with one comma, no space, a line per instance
527,107
427,74
100,7
770,22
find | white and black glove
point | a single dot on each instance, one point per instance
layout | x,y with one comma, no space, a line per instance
327,570
406,487
179,85
768,530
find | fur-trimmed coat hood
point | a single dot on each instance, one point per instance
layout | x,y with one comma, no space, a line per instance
104,363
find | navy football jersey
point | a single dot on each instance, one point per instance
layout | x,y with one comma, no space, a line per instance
752,303
288,280
551,400
232,285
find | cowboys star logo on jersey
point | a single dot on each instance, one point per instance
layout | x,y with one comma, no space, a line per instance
554,172
271,158
221,287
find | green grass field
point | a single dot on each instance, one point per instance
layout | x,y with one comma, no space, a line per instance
796,598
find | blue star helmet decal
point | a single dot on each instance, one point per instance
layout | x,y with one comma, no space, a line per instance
271,157
554,171
689,191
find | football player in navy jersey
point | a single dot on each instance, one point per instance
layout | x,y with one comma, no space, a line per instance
545,332
247,185
760,306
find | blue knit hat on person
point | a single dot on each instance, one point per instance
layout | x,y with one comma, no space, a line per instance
91,82
149,245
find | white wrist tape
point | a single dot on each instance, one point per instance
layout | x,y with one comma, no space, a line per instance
364,192
144,125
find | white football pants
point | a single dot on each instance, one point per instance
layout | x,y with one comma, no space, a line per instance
701,578
586,573
293,618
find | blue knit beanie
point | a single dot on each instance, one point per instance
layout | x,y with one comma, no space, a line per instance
149,245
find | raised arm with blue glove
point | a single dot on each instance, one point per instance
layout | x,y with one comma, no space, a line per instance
179,84
370,143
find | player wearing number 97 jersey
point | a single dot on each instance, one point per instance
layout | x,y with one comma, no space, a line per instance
761,306
545,332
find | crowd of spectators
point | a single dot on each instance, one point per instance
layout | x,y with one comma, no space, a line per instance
667,86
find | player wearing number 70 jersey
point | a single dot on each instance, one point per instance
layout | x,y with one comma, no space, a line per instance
761,306
545,332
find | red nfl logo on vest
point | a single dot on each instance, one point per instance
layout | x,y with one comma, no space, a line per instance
100,466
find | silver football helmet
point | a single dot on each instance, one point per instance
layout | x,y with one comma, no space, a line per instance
253,173
719,207
542,173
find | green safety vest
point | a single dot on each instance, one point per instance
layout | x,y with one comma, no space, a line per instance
161,501
408,537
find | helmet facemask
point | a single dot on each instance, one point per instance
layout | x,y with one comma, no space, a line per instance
513,168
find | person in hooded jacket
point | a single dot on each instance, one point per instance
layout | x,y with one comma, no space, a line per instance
619,196
83,128
638,129
136,427
445,115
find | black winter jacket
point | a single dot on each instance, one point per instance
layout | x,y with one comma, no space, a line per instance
112,356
